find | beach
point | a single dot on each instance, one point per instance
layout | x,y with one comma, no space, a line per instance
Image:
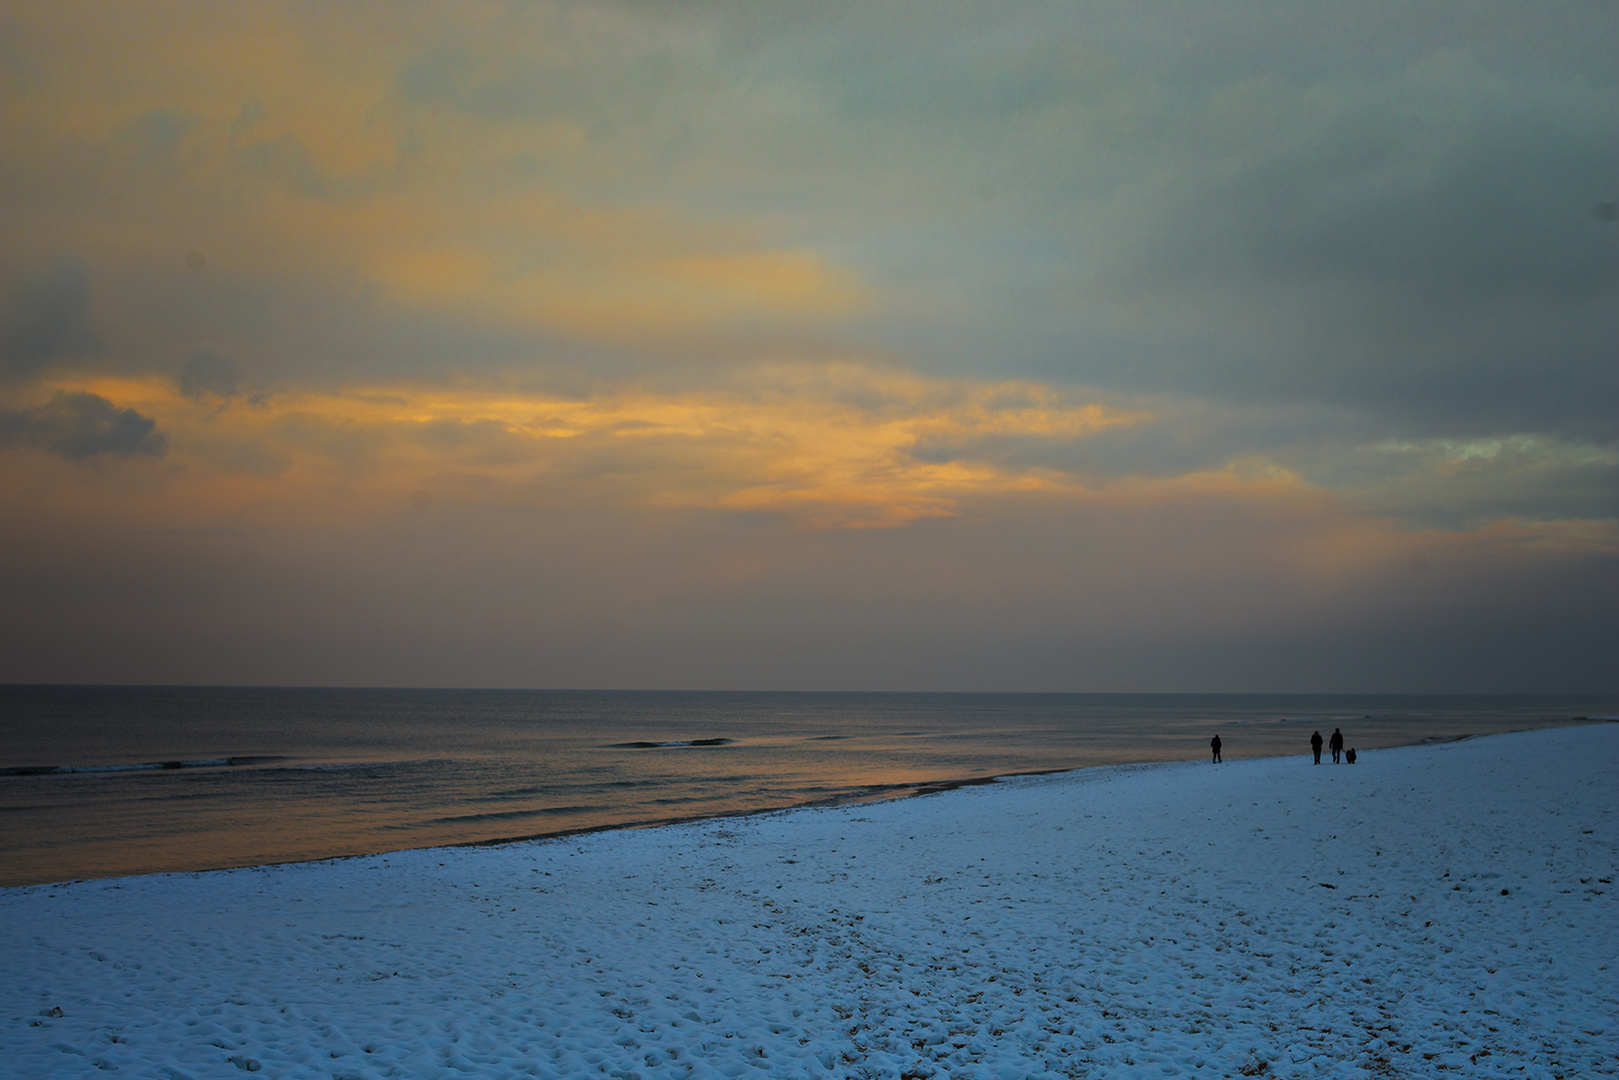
1429,909
113,781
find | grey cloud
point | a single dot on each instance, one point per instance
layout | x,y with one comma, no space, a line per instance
20,72
1464,485
208,375
996,81
49,322
1421,249
286,162
1387,210
159,130
248,117
150,144
274,332
610,76
77,426
1447,182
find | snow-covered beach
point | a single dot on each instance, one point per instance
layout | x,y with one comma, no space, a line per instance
1431,908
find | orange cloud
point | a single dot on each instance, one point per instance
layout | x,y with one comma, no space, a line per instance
824,447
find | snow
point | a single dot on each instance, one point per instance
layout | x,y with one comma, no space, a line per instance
1431,908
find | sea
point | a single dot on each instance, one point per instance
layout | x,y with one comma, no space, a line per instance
101,781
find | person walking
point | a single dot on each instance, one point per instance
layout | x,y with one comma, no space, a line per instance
1315,745
1337,744
1214,744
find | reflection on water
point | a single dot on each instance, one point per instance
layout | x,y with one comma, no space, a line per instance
98,781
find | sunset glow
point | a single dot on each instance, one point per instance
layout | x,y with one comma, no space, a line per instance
628,345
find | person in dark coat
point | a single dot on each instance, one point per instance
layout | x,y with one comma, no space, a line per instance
1315,745
1337,744
1214,744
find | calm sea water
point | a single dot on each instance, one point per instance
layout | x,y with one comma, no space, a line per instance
101,781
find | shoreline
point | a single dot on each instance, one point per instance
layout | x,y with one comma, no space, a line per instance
887,793
870,795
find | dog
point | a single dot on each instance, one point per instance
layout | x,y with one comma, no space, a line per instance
1349,755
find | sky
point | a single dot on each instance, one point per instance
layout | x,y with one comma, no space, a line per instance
1085,346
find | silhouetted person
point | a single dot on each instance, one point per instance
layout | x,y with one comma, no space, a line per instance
1337,744
1315,745
1349,755
1214,744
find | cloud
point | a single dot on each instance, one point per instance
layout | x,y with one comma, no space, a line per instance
1064,194
49,322
836,446
1467,484
821,446
1421,245
207,375
1015,325
78,426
